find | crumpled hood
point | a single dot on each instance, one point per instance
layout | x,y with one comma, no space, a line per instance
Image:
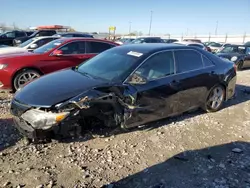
56,87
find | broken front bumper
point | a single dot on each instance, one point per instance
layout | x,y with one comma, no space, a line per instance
24,128
34,123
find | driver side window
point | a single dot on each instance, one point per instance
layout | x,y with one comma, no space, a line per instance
73,48
157,66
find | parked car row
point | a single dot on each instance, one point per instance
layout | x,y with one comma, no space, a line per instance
8,37
27,46
16,37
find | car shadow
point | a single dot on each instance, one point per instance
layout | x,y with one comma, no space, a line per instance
9,136
242,95
226,165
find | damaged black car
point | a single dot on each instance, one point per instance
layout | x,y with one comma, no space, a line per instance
126,86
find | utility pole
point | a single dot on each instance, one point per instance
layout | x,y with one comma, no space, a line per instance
150,23
129,31
216,28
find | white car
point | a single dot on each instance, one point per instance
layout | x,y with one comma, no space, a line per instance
217,46
195,44
27,46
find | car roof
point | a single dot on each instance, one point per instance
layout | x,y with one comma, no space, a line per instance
152,47
148,37
67,39
64,33
45,37
188,42
237,45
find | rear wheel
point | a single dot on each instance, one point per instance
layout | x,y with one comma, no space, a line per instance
24,77
240,65
215,99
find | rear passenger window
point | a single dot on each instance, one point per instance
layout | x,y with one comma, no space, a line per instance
206,61
97,47
187,60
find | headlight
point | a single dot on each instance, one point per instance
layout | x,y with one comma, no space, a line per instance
234,58
43,120
2,66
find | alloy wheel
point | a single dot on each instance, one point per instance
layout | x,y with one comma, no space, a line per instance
24,78
216,98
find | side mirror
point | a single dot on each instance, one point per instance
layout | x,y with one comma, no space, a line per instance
33,46
57,53
137,79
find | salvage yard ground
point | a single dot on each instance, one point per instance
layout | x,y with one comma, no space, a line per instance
193,150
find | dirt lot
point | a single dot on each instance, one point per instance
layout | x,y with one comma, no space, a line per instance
194,150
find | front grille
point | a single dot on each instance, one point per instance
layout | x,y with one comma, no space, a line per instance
17,108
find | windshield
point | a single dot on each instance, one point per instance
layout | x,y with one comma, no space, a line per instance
139,40
49,46
214,44
196,45
234,49
26,43
34,34
111,65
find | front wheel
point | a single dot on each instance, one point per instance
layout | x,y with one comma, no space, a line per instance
215,99
24,77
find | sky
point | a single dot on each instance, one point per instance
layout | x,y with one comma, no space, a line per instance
168,16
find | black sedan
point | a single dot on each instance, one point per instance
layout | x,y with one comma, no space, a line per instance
239,54
125,86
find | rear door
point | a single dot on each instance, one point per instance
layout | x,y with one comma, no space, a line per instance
196,75
93,48
73,54
157,98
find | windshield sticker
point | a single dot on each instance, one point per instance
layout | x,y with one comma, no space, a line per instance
136,54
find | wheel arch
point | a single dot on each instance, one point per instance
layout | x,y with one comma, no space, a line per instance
223,84
23,69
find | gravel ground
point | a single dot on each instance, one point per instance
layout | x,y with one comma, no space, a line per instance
192,150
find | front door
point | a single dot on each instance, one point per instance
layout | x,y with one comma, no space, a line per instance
155,99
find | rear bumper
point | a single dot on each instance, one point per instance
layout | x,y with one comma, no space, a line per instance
230,92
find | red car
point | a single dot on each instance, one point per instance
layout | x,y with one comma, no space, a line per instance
18,69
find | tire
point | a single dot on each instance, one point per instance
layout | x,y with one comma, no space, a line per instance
240,65
24,76
215,99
